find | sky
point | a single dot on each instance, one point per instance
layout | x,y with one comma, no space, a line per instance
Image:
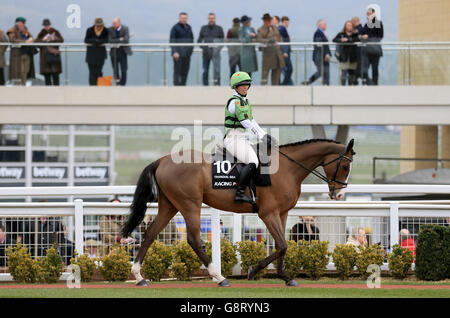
151,20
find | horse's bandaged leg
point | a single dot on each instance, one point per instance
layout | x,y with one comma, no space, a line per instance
136,271
214,273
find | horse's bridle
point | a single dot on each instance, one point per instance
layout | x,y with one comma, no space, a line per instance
321,176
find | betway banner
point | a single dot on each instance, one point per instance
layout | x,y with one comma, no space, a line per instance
49,172
12,172
91,172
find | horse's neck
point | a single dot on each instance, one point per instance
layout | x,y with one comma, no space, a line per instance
310,155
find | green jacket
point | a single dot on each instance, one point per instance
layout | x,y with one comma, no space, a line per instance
242,111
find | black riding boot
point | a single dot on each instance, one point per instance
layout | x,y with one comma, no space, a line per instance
244,181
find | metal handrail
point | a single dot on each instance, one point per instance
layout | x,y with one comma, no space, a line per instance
226,44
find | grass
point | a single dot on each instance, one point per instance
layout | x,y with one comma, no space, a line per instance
216,292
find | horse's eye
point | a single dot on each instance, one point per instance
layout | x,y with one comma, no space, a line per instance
345,168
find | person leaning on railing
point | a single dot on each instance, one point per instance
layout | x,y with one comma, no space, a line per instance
347,53
119,34
50,57
273,60
96,36
372,32
21,58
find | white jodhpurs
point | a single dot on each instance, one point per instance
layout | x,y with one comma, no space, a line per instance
238,144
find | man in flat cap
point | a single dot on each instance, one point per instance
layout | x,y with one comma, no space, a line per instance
272,58
20,57
96,37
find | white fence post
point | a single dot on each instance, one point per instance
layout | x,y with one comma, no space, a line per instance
393,220
215,239
79,230
237,237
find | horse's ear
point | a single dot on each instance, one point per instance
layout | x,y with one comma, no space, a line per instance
350,145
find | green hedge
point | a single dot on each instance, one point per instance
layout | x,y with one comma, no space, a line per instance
433,253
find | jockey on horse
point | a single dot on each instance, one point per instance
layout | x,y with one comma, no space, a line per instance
239,121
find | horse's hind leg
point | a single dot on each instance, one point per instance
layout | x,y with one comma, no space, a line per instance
192,218
166,211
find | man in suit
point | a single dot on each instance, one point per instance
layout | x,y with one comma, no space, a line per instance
211,33
181,33
96,37
119,34
321,55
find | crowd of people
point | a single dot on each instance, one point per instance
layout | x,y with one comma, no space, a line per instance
354,60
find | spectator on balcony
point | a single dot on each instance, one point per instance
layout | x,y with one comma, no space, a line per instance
50,57
358,29
321,55
5,241
96,38
406,241
21,65
347,54
119,34
273,60
234,52
305,230
2,57
247,34
358,237
181,33
372,33
286,50
110,228
211,33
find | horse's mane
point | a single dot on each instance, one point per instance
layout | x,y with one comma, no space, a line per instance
308,141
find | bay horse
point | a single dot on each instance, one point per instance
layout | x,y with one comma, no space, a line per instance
184,187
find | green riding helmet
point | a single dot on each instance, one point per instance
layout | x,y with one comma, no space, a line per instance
240,78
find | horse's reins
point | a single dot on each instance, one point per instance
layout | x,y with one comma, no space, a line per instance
321,176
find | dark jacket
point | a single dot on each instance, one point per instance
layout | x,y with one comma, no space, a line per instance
286,38
115,38
96,53
299,232
182,34
346,52
319,36
46,68
210,34
375,31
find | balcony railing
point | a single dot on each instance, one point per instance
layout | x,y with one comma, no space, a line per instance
402,63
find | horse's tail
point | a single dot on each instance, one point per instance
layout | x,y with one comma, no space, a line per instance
146,191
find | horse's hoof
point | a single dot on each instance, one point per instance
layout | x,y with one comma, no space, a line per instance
224,283
292,283
143,283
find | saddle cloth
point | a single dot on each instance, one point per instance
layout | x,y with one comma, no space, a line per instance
226,170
